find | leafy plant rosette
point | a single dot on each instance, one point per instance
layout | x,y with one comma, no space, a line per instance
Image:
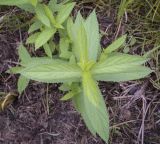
86,66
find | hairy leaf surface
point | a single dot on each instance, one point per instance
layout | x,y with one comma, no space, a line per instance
52,71
95,106
93,37
120,67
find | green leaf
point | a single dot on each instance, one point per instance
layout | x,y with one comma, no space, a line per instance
68,96
32,38
79,40
79,104
23,54
22,84
37,61
65,87
64,48
13,2
53,5
35,26
52,71
42,15
93,38
27,7
14,70
69,27
52,45
49,14
33,2
133,73
120,67
51,17
47,50
115,45
95,106
64,12
44,37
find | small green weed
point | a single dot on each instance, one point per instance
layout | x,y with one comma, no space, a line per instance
80,63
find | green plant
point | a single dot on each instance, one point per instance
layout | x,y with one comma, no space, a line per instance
82,71
48,19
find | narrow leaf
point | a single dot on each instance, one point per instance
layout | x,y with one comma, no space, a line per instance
64,48
95,106
79,104
42,15
22,84
14,70
52,71
33,2
133,73
64,12
32,38
50,15
93,38
68,96
79,39
116,44
27,7
35,26
23,54
44,37
13,2
47,50
69,27
120,67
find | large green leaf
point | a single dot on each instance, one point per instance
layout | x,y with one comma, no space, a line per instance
52,71
94,106
37,61
13,2
64,12
78,101
44,36
79,39
93,38
42,15
120,67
